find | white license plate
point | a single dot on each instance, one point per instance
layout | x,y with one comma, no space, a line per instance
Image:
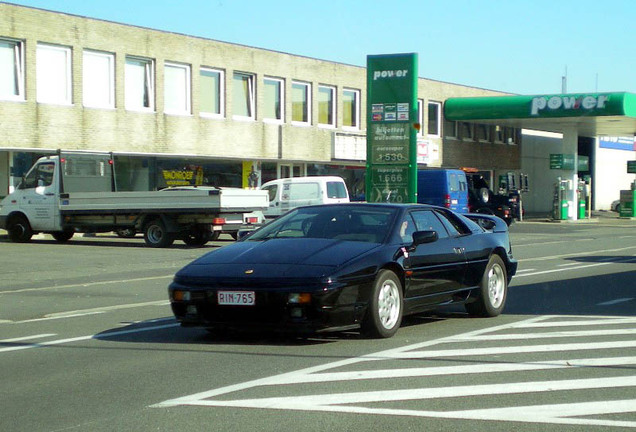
236,298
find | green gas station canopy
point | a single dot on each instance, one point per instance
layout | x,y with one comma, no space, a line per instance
591,114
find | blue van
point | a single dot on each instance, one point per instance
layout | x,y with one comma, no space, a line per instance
443,187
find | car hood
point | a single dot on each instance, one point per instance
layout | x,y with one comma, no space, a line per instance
276,258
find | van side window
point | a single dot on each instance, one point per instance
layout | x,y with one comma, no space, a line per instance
304,191
336,190
271,190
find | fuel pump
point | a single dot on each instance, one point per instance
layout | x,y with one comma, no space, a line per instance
582,193
560,205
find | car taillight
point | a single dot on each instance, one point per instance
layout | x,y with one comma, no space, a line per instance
251,220
447,201
218,221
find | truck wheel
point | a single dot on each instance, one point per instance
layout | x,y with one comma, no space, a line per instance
63,236
197,236
156,235
19,229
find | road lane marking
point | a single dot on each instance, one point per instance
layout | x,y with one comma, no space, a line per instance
87,337
23,338
87,284
494,362
578,254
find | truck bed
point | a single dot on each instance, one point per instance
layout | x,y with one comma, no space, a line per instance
176,200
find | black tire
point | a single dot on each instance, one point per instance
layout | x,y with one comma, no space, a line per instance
63,236
484,195
19,229
156,235
126,232
386,306
493,290
197,236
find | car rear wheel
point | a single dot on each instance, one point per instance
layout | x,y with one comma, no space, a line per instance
156,235
19,229
493,290
384,313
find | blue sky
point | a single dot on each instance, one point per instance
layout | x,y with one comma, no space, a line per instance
518,46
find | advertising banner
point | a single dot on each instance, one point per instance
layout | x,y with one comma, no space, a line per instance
392,128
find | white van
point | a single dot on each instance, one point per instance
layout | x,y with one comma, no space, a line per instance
288,193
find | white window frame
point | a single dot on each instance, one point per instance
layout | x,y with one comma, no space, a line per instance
220,93
18,70
281,96
89,81
307,87
332,91
149,84
437,133
183,103
356,114
251,95
54,91
420,117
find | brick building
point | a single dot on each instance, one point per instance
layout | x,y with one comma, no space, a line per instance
166,103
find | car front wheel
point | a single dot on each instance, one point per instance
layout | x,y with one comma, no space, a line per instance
384,313
493,290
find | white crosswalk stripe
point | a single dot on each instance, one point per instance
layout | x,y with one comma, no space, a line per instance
589,353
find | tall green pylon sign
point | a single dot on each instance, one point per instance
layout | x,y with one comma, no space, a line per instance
392,125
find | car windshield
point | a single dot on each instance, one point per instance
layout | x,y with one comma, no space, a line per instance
339,222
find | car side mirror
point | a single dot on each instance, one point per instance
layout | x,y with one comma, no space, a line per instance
422,237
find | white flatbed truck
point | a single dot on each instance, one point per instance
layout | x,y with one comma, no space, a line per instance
73,193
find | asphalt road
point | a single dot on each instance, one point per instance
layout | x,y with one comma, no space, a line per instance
88,343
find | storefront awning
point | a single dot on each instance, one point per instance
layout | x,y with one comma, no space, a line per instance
590,114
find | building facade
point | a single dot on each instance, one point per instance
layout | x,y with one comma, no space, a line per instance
176,109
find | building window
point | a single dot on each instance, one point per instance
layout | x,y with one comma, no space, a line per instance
450,129
500,135
98,75
420,117
176,87
11,69
326,106
483,132
351,109
140,78
53,74
512,135
434,117
211,92
301,101
273,99
243,96
466,131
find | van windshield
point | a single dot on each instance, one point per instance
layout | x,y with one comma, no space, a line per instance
336,190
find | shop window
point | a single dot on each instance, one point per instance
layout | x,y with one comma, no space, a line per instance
351,109
273,99
326,106
53,74
98,77
301,101
139,82
11,69
499,134
243,96
434,116
176,88
211,92
512,136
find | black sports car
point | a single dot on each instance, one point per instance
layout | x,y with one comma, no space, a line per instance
345,266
